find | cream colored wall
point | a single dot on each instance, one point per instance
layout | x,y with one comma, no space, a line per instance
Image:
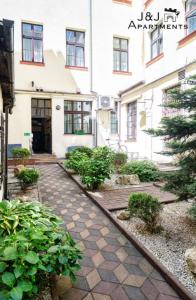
1,109
146,145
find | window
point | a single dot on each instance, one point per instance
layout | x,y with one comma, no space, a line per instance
77,117
114,119
32,43
191,15
120,54
156,42
41,108
132,121
75,41
167,111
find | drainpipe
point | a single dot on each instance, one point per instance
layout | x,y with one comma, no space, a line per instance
6,154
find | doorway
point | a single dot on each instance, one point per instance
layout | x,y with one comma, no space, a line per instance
41,125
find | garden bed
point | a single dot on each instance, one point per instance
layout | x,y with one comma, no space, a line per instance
170,245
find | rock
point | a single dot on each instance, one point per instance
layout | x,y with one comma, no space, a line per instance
190,256
128,179
18,169
124,215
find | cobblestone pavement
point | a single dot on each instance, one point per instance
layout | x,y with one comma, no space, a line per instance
112,268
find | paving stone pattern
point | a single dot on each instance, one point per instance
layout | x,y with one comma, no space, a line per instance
112,268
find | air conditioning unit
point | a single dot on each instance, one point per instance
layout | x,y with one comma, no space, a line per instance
105,103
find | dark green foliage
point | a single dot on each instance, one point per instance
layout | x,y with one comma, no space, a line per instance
82,149
99,167
120,158
28,176
75,160
20,153
35,247
192,212
145,207
179,133
146,170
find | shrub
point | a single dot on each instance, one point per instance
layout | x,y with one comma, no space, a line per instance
35,247
75,160
120,158
94,172
145,207
28,176
20,154
104,153
82,149
192,212
146,170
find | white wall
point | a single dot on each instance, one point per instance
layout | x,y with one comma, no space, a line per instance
1,109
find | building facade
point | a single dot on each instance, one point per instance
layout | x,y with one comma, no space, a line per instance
66,57
74,57
169,56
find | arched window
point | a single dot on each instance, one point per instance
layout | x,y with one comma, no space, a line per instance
191,15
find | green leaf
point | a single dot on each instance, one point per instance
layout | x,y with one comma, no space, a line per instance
18,271
32,271
63,259
10,253
16,293
31,257
25,285
4,295
3,266
53,249
8,278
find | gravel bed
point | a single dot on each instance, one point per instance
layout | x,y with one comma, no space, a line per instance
170,245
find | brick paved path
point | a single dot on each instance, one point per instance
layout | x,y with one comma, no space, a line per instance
112,268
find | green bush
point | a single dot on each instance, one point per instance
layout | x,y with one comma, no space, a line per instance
146,170
75,161
120,158
192,212
28,176
82,149
20,153
94,172
145,207
35,247
103,153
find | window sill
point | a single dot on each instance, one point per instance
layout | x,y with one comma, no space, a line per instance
126,2
189,38
121,73
155,59
84,134
147,3
32,63
76,68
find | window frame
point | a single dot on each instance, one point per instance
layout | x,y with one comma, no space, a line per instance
132,122
156,41
120,50
114,122
81,112
76,45
188,15
32,38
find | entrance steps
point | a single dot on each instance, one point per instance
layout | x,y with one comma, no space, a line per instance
44,158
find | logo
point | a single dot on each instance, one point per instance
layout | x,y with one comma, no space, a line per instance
167,19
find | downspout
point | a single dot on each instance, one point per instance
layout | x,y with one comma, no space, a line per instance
91,68
6,154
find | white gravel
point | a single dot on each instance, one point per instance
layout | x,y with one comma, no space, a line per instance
170,245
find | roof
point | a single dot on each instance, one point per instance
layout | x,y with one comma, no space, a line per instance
131,87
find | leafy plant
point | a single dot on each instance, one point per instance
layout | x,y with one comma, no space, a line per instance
20,154
32,250
75,160
146,170
82,149
28,176
145,207
94,172
192,212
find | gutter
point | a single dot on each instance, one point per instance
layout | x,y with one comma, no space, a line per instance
142,82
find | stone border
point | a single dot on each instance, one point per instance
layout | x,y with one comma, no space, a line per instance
169,277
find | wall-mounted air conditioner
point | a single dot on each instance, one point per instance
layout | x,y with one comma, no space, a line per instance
105,103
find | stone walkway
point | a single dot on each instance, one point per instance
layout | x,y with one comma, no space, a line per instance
112,268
